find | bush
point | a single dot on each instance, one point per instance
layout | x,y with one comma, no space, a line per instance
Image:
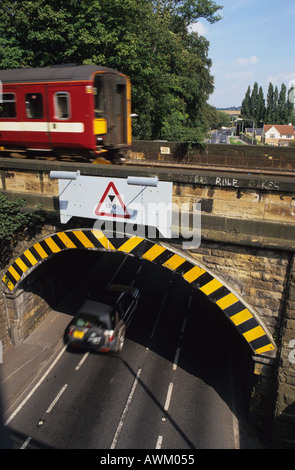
16,221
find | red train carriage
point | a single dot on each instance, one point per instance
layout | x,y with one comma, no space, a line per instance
77,109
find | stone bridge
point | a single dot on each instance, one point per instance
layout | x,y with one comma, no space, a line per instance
245,263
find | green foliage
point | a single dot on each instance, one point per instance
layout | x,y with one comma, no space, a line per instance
278,108
148,40
246,104
218,118
253,105
15,221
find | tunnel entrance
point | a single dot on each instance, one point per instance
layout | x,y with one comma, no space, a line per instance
241,315
172,316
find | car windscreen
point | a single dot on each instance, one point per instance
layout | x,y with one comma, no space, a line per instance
86,320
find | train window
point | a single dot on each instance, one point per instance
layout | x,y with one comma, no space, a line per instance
62,105
7,107
34,105
99,96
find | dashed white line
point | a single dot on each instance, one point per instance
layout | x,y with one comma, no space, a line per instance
49,409
26,443
139,269
175,362
159,442
36,386
236,426
56,398
168,398
189,302
183,325
120,425
159,314
82,360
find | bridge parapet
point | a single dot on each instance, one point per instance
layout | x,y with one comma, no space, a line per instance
245,157
243,208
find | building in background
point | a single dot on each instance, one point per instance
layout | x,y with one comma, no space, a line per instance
279,135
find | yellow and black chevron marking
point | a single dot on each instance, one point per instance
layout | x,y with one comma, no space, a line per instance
234,309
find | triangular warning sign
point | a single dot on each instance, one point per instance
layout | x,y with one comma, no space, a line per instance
111,204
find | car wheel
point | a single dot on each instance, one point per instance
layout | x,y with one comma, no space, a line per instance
120,341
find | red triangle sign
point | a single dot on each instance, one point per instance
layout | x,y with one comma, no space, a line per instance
111,204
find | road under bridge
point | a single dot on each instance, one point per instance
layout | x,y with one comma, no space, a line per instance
244,265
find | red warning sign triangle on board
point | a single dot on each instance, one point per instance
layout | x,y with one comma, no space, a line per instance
107,205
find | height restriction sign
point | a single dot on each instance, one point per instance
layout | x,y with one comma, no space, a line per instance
142,201
111,204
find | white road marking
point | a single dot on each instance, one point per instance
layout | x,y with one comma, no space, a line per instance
82,360
159,314
23,365
36,387
175,362
236,425
26,443
121,422
189,302
168,398
56,398
183,325
139,269
159,442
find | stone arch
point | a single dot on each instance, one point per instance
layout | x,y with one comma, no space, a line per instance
241,315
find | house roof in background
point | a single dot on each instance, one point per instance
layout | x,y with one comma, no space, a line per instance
282,129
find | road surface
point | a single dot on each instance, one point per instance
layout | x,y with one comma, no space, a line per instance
174,386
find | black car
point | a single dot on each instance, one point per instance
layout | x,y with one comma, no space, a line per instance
100,323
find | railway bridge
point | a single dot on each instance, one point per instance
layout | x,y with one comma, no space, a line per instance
241,257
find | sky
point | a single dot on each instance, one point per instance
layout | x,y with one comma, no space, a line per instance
254,42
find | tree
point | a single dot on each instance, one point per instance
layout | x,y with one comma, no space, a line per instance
275,115
246,104
260,108
217,118
148,40
282,105
253,105
182,13
279,108
45,32
254,102
15,221
290,105
269,115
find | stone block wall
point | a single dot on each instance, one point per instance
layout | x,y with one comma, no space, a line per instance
224,156
25,311
242,203
31,305
4,329
28,182
259,276
266,280
284,423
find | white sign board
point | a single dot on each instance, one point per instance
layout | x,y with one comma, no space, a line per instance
142,201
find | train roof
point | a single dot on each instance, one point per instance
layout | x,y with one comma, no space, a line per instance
58,73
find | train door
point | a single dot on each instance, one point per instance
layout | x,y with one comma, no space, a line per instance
120,110
68,111
101,98
116,109
35,118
